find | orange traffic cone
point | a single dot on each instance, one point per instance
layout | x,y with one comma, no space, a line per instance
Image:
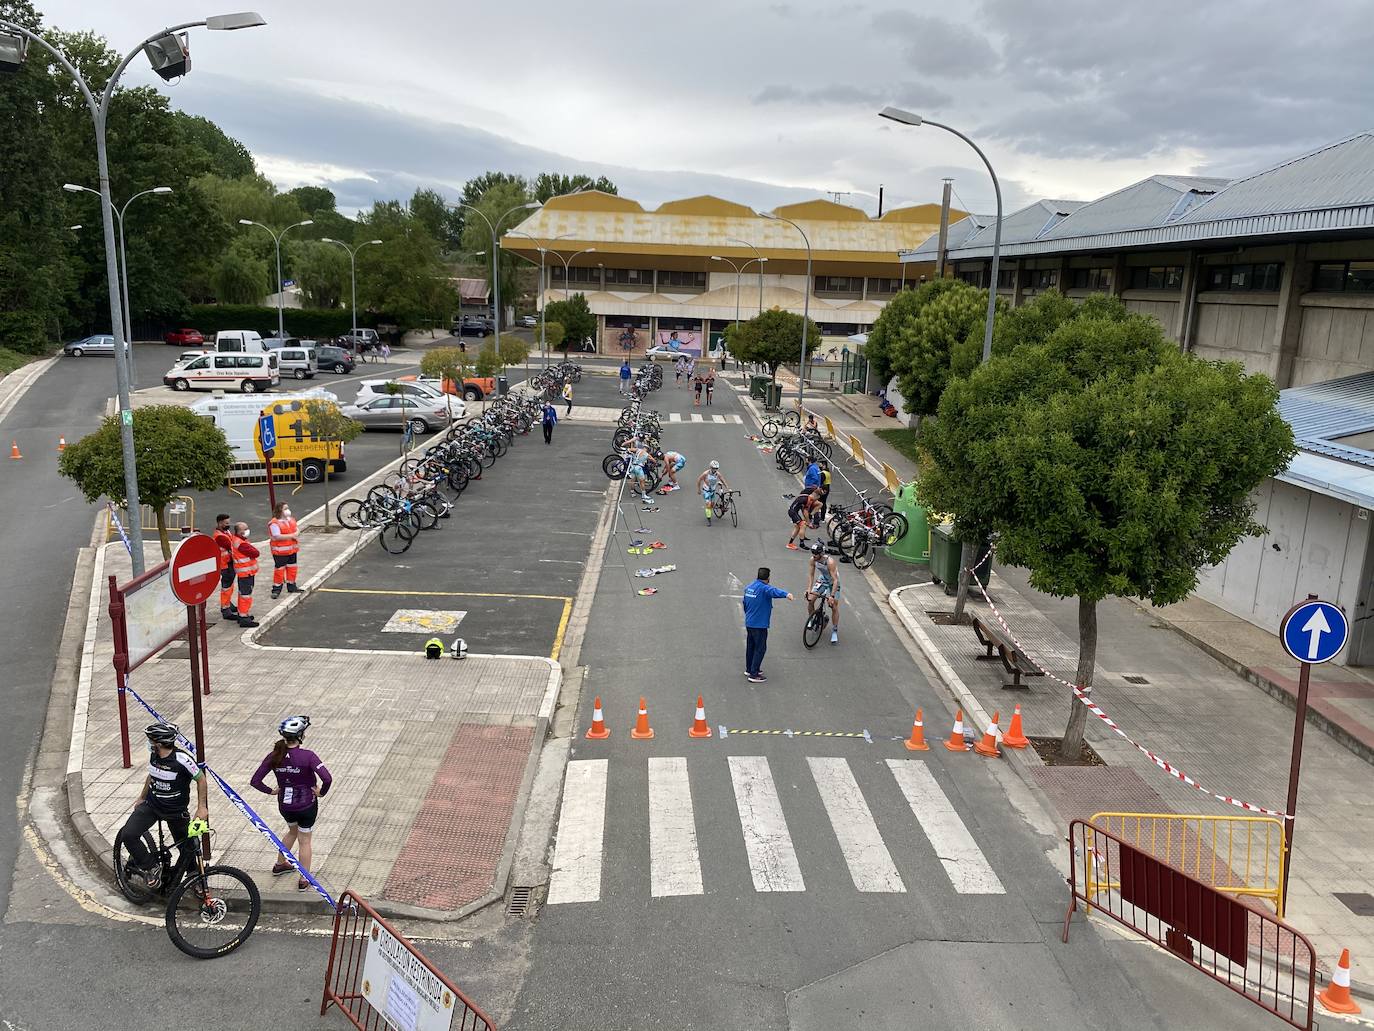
598,731
61,444
699,727
956,736
917,741
988,746
1336,995
642,731
1014,738
14,450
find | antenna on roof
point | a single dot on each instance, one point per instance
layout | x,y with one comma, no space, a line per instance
835,195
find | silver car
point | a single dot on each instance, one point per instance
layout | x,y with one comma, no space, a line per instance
398,412
100,343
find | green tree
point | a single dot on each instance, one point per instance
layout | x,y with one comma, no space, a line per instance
450,366
325,422
547,185
321,272
241,276
488,361
921,349
514,351
429,208
1032,323
496,201
771,338
314,200
1107,463
553,333
177,451
899,312
404,279
574,317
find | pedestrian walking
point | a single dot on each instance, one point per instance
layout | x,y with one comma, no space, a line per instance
679,368
625,375
549,420
297,769
710,385
284,542
568,397
758,614
697,385
386,351
224,539
245,569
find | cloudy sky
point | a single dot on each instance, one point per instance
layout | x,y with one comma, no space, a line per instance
761,102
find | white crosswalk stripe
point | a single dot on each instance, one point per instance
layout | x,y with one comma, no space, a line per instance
719,418
674,861
576,875
870,863
674,416
963,860
697,418
772,859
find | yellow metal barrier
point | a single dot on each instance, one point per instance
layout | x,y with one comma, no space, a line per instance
857,449
181,517
1240,855
829,427
894,482
254,474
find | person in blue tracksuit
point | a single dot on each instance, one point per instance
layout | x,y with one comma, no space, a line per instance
758,613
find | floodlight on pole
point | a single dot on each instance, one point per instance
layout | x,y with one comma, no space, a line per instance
494,227
806,302
757,257
353,274
281,291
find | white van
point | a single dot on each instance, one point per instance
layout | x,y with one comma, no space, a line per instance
239,341
245,372
297,362
237,418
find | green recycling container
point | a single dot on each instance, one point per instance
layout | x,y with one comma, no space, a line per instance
756,386
944,557
773,398
915,546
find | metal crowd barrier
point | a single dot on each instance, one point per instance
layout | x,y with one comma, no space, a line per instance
181,517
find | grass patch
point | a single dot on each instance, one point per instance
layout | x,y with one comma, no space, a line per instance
11,360
903,440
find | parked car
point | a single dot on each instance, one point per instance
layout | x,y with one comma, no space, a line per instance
370,388
237,341
362,339
663,351
334,358
297,362
394,412
529,321
245,372
276,343
474,387
184,338
474,325
190,356
100,343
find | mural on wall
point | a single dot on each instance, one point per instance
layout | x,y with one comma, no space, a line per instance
680,342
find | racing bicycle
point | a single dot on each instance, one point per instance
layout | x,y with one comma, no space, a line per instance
724,503
816,622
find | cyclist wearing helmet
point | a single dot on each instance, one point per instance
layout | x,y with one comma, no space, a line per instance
825,587
708,483
297,769
673,463
636,471
165,796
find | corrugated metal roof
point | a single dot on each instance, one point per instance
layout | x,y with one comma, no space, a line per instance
1352,483
960,233
1325,412
1146,203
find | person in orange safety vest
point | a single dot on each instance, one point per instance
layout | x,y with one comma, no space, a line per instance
245,568
224,539
285,543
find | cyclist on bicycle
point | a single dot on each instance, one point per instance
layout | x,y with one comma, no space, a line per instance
825,587
165,796
709,483
673,463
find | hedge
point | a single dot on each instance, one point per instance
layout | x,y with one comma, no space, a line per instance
310,323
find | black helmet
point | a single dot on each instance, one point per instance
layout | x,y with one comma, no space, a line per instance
162,733
817,548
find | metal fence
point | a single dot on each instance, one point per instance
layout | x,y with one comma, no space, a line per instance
1249,950
181,518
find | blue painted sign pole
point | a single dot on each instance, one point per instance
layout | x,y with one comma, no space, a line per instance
1312,631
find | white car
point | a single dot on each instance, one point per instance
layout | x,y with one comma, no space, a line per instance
660,351
529,321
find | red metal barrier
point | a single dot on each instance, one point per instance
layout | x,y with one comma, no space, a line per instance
373,970
1249,950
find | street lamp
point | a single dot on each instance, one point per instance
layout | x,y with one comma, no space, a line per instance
568,261
738,269
896,114
806,303
757,257
496,255
14,42
281,291
123,259
543,351
353,274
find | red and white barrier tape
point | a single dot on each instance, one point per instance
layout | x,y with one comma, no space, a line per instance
1097,711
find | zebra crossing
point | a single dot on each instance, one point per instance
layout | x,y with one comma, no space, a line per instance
773,850
697,417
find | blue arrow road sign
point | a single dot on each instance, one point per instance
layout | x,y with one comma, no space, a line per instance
1314,631
267,433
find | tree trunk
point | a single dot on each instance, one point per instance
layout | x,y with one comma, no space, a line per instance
161,532
1072,745
966,559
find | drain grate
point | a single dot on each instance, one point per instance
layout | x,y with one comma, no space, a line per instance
1135,680
521,901
1361,903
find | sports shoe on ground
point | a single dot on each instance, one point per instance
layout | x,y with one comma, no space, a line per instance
247,621
834,637
758,679
792,546
280,868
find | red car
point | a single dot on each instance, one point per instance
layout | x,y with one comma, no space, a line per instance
184,338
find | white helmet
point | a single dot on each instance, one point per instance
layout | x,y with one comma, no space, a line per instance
293,726
715,464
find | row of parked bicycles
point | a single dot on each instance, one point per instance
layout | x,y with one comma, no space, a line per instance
638,427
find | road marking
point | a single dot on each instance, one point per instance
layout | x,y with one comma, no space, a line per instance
697,418
194,569
562,629
674,861
576,875
674,417
439,594
719,418
964,862
870,863
772,859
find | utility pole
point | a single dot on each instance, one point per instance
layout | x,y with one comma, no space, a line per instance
942,250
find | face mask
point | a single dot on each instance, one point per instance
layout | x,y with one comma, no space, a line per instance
286,512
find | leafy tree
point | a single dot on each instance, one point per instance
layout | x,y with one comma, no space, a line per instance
321,272
488,361
314,200
921,349
573,316
177,451
771,338
429,208
240,276
898,313
325,422
498,199
547,185
1107,463
514,351
1032,323
223,154
404,278
553,332
450,366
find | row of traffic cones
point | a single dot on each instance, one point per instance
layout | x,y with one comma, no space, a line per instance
16,456
642,731
1013,738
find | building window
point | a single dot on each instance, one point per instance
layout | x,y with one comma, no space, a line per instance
627,322
682,282
840,286
1157,277
885,286
629,278
1240,278
837,329
1006,278
1345,277
1040,278
670,325
576,276
972,276
1098,278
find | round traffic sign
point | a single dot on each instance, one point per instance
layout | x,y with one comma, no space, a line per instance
1314,631
194,573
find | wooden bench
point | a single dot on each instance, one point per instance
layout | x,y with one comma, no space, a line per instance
1000,646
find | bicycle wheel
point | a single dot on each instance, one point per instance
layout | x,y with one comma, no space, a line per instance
865,551
132,888
349,513
424,515
614,467
212,914
770,429
815,626
718,507
395,538
792,418
895,527
734,513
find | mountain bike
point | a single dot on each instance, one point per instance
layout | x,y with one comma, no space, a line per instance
211,910
724,502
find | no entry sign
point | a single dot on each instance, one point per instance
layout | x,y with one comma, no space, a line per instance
195,569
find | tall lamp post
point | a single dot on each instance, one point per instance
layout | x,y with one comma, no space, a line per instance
123,259
169,53
543,252
757,257
353,273
496,254
806,303
281,290
896,114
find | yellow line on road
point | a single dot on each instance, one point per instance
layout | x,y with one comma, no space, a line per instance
441,594
562,629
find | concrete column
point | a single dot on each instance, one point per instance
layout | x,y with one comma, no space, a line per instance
1018,287
1064,274
1187,303
1118,273
1297,280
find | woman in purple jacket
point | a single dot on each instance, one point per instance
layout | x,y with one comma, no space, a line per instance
297,769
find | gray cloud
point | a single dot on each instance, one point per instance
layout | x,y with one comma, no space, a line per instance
842,93
933,46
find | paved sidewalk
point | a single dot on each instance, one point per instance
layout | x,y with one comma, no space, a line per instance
431,760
